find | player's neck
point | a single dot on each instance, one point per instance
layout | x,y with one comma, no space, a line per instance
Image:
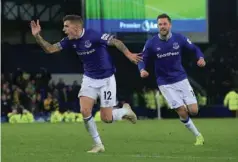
165,37
80,34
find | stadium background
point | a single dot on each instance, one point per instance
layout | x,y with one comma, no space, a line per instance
27,72
136,9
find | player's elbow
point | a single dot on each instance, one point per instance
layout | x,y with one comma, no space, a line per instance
50,51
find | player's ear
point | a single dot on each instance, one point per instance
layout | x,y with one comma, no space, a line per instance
78,25
170,25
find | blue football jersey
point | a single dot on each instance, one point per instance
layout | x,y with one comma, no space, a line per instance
91,47
166,55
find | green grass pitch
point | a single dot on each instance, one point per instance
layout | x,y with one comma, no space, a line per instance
146,141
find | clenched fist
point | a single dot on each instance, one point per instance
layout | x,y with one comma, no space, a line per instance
144,74
201,62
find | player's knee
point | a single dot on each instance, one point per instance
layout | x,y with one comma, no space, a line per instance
85,112
193,112
106,119
182,112
86,105
193,109
106,114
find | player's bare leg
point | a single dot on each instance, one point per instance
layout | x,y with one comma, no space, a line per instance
87,104
108,115
184,117
193,109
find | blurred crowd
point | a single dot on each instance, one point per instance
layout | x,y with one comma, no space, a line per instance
23,92
221,72
26,96
222,67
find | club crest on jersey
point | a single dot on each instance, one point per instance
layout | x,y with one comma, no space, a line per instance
88,44
175,45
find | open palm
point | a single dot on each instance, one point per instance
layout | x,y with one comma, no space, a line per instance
35,27
135,58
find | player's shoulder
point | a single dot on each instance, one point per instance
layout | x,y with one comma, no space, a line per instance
181,38
93,34
65,39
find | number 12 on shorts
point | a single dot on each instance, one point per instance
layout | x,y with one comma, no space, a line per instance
107,95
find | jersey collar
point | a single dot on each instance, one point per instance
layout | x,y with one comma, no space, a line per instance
82,34
167,37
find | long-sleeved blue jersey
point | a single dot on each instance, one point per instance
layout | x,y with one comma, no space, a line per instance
166,55
91,47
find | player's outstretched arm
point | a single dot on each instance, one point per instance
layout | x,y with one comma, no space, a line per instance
46,46
122,47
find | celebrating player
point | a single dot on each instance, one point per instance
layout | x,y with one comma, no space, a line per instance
165,49
98,79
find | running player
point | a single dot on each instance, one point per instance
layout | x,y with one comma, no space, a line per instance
165,49
98,79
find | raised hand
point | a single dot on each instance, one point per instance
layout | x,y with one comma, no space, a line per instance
35,27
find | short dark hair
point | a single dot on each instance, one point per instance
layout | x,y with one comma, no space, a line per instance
164,15
74,18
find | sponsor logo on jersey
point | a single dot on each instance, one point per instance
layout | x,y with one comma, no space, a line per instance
86,52
167,54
